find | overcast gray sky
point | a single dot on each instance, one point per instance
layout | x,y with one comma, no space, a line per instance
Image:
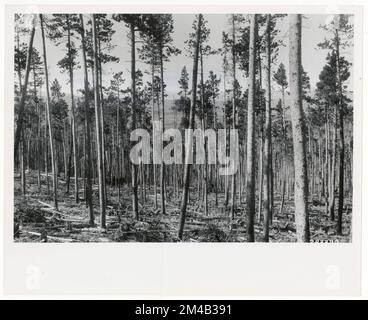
313,59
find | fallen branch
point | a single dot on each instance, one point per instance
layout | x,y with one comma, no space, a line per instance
49,237
46,204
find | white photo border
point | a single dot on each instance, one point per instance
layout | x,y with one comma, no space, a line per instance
183,269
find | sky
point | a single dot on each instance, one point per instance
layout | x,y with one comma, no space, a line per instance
313,59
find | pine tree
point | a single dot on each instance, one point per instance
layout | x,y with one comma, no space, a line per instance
48,114
62,29
187,165
250,185
98,116
24,87
281,80
135,23
87,124
342,33
297,119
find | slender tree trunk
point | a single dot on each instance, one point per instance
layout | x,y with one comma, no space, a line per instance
332,180
102,111
342,139
260,177
69,163
233,182
271,182
267,144
88,128
297,118
52,147
188,147
215,166
204,182
38,142
22,164
46,156
163,206
250,184
24,89
327,161
118,145
98,126
39,147
134,167
153,118
65,152
284,158
72,120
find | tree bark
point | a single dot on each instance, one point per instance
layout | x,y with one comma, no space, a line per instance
187,165
134,167
297,117
233,181
24,89
72,122
267,144
163,207
98,127
342,139
153,118
332,180
48,113
88,168
250,183
284,158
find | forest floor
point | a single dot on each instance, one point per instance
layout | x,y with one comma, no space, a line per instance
35,219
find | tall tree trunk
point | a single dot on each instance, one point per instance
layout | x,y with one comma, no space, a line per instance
72,122
332,180
233,182
39,147
204,167
153,118
118,145
102,111
24,89
88,155
267,144
271,182
46,156
38,129
163,206
98,126
260,177
284,157
215,166
327,160
342,139
250,183
65,152
48,113
260,170
297,118
134,166
22,164
188,147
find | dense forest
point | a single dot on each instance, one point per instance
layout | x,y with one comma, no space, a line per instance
74,180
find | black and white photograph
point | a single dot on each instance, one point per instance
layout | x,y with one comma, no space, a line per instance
183,127
175,154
